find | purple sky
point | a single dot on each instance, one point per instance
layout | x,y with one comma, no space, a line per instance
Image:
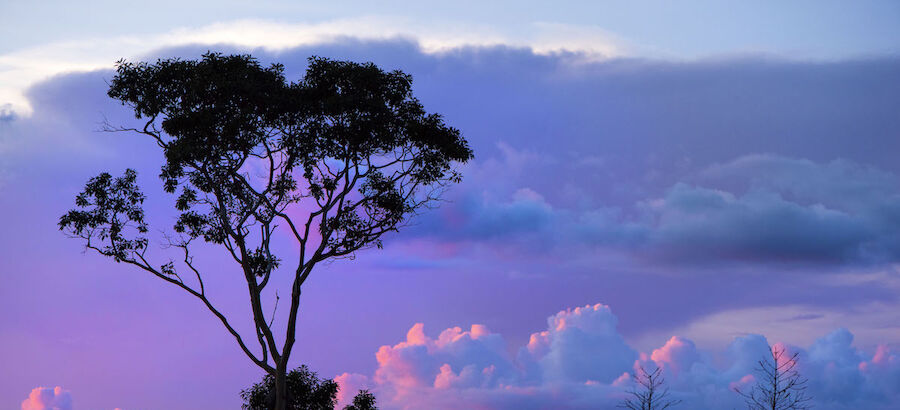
709,200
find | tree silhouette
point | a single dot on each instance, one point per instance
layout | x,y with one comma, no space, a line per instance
305,391
650,395
364,400
779,386
336,160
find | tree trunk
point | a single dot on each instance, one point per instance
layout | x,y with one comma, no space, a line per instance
281,395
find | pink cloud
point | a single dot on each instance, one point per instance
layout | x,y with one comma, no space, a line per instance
677,355
581,362
349,384
46,398
743,383
457,357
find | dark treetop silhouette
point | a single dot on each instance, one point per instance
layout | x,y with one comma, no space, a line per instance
337,159
305,391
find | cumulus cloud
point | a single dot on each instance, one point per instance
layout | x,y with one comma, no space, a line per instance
47,398
457,358
581,361
579,345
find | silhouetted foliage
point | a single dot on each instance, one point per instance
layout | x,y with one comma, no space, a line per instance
305,391
339,158
779,385
651,395
364,400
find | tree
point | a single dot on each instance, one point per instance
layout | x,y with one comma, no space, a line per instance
650,395
304,392
337,159
364,400
779,386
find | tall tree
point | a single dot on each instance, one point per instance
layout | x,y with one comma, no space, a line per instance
779,386
337,159
650,393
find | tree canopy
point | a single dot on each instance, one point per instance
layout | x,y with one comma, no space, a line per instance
337,159
305,391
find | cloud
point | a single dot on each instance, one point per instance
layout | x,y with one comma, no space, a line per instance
456,358
47,398
579,344
755,208
6,113
582,145
843,184
677,356
349,384
525,213
23,68
580,361
678,189
875,322
696,224
474,365
790,208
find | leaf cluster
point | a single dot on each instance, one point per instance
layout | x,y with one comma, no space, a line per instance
243,145
305,391
364,400
111,212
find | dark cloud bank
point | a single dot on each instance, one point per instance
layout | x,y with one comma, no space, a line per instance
749,160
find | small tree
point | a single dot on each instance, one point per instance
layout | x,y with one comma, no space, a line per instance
336,160
364,400
779,385
305,391
650,395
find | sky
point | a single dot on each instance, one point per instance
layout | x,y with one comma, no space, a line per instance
659,184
